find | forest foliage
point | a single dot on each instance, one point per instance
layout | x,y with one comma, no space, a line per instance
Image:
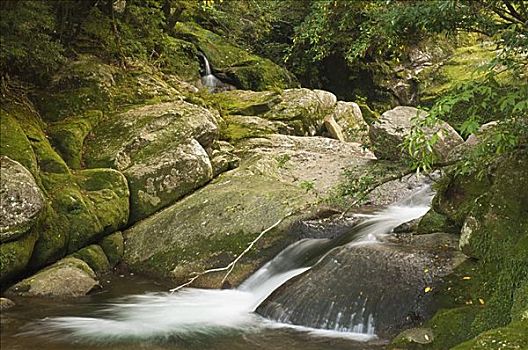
312,38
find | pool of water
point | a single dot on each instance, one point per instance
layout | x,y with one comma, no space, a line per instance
14,323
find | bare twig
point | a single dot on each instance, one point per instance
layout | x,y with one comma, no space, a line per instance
229,267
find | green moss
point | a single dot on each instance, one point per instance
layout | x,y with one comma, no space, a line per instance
245,70
434,222
95,257
113,247
15,144
84,207
245,102
519,310
437,80
514,336
496,234
68,135
15,255
453,326
369,115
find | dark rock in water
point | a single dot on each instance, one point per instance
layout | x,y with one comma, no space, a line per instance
376,288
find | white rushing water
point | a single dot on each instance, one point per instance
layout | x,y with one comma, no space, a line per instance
193,311
209,80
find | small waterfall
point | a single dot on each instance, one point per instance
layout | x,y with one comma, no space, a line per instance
199,311
209,80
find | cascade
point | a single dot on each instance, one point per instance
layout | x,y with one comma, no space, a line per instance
192,311
209,80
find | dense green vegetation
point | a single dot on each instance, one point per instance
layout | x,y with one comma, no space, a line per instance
82,78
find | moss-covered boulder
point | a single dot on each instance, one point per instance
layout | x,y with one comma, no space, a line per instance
21,198
95,257
84,207
495,233
69,277
513,336
157,182
389,131
82,84
161,149
237,66
67,136
113,246
293,112
210,227
14,142
15,255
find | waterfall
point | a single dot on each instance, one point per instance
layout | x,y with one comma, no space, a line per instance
209,80
193,311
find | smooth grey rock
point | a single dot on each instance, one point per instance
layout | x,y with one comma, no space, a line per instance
21,200
388,133
69,277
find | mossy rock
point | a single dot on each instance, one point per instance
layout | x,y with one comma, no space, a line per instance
113,246
15,255
452,326
167,177
69,277
33,127
95,257
84,207
83,84
180,58
435,222
160,148
249,103
15,143
211,227
514,336
439,79
238,127
239,67
67,136
519,309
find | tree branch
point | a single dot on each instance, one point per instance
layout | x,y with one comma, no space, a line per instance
229,267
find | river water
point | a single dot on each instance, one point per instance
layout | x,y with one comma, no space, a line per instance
134,313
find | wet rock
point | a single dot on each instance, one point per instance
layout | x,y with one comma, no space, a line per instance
209,227
414,335
6,304
21,198
387,134
348,289
69,277
232,64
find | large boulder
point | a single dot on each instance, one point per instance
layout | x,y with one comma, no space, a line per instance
298,112
278,175
69,277
367,287
21,198
232,64
85,206
389,131
160,148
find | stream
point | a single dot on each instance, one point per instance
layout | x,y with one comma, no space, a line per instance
134,313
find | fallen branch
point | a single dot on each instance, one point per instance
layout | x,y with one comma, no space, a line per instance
229,268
